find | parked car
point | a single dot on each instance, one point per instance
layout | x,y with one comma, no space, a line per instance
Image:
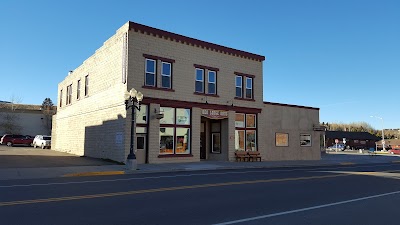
42,141
16,139
395,150
335,147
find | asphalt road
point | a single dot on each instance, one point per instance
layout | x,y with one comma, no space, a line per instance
365,194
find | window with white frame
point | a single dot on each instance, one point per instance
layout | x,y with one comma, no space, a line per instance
150,77
86,85
69,94
199,86
212,80
305,140
246,132
249,87
239,86
166,75
175,131
61,97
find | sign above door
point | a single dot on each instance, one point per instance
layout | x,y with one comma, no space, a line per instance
214,114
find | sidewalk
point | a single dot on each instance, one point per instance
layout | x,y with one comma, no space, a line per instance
331,159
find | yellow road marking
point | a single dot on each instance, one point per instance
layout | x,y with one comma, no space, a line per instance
396,161
33,201
105,173
347,163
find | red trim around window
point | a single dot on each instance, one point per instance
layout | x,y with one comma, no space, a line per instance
159,58
205,67
244,75
158,88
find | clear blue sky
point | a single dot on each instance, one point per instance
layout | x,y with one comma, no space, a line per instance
342,56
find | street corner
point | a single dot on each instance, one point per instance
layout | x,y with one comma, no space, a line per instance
98,173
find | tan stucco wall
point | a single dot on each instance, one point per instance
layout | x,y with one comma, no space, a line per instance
94,125
29,122
294,121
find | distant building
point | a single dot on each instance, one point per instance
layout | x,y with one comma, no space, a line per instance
210,98
355,140
23,119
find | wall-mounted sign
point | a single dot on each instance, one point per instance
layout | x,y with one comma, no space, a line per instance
214,114
281,139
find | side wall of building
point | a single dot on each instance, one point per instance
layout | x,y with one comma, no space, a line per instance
293,121
94,125
27,122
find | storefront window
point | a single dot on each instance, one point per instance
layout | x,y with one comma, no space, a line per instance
216,143
239,121
251,140
175,131
250,121
239,140
167,140
305,140
169,115
183,116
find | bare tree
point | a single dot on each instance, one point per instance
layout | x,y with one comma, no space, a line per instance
9,120
48,112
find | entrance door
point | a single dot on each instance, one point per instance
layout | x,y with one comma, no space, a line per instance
141,148
203,153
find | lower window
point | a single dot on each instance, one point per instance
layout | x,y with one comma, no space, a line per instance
305,140
216,143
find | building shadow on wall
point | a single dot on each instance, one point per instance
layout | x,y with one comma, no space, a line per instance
106,141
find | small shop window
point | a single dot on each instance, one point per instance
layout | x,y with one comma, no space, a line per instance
216,143
141,116
183,116
250,120
305,140
239,140
169,115
167,140
239,121
182,140
251,140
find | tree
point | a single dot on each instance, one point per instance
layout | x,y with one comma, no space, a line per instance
48,112
9,119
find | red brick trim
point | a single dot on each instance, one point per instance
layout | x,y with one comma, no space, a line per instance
205,67
245,75
175,155
245,99
195,42
287,105
158,88
159,58
203,94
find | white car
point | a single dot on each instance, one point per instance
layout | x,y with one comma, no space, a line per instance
42,141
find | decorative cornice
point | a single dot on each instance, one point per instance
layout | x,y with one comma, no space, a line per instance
192,41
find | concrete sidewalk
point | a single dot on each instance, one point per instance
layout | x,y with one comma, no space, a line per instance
72,171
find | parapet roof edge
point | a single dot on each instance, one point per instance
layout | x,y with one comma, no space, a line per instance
181,38
288,105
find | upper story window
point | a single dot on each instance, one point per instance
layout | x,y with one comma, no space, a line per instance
154,66
61,95
212,80
239,86
69,94
244,86
249,87
166,75
206,80
199,80
78,90
86,85
150,78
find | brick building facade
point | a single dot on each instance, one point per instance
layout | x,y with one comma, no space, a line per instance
211,98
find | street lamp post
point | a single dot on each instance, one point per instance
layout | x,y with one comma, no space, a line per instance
134,97
383,135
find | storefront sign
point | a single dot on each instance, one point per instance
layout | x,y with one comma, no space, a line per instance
214,114
282,139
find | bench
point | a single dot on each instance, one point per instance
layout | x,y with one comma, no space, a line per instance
242,156
254,155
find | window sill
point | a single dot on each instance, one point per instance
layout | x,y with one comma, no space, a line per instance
175,156
158,88
245,99
204,94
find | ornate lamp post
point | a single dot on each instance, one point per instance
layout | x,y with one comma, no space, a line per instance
134,97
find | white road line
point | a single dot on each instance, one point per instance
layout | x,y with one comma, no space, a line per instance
307,209
181,175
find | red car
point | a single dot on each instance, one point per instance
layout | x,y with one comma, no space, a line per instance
16,139
395,150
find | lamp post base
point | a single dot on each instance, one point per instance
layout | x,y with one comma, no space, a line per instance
131,164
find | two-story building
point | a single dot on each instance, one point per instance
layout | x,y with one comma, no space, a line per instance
210,98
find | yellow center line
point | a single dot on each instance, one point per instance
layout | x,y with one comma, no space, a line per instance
79,197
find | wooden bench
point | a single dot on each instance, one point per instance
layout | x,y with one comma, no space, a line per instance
242,156
254,155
